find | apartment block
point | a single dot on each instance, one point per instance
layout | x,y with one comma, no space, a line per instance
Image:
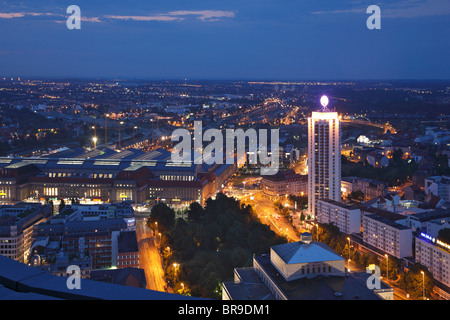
346,218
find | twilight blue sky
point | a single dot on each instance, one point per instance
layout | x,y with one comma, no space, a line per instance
227,39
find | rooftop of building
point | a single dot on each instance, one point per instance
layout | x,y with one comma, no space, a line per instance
128,242
388,215
339,204
356,179
282,175
21,282
388,221
319,287
249,287
300,252
107,159
430,215
132,277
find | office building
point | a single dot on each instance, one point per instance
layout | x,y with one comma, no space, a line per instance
16,226
324,157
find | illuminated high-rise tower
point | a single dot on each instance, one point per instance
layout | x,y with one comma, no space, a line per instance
324,156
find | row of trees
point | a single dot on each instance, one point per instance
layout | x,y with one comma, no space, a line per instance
199,253
412,281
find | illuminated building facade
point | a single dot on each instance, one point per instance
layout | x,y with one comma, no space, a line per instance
16,226
284,183
110,177
324,157
435,255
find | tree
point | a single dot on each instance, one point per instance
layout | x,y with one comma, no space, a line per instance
301,201
415,283
195,212
397,156
162,214
356,196
62,204
441,164
393,267
208,249
302,216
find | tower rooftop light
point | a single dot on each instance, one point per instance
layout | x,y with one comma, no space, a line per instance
324,102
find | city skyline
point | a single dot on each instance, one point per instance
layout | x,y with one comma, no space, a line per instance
225,150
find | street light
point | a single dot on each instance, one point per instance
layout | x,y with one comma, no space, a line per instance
106,130
387,266
95,142
120,144
348,266
134,128
423,283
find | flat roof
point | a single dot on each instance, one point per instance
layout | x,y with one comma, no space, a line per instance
339,204
250,287
387,221
128,242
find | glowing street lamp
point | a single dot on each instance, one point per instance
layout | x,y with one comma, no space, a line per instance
95,142
106,129
134,128
348,266
120,146
387,266
423,283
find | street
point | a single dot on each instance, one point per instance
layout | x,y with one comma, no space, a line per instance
264,208
150,259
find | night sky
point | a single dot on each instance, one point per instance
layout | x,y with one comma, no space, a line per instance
228,39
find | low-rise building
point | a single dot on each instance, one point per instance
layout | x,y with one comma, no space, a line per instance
284,183
128,252
371,188
439,186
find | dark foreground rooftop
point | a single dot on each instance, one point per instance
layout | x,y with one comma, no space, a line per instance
21,282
